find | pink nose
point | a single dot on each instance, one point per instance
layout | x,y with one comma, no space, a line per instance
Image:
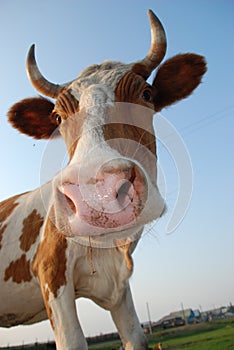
113,198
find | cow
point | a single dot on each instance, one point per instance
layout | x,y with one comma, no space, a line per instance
74,236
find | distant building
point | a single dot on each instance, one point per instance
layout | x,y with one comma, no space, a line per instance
189,316
218,313
179,318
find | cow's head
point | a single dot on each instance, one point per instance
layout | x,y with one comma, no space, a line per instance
105,117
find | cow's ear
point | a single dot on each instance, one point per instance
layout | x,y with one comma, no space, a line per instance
177,78
31,116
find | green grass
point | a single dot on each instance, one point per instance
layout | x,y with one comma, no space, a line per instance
105,347
108,346
205,336
214,336
222,339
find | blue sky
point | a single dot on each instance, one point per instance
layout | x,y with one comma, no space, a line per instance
194,264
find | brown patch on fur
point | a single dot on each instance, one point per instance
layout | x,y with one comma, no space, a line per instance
2,229
130,89
46,295
8,320
19,270
66,104
49,263
67,107
31,230
177,78
130,132
6,208
124,246
141,70
31,116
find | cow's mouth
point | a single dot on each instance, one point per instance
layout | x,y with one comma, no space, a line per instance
111,202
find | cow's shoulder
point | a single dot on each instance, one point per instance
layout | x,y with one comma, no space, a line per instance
7,208
21,222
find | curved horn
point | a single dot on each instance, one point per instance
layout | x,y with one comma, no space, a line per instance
37,79
158,45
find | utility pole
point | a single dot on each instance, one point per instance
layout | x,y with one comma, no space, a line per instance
149,318
182,307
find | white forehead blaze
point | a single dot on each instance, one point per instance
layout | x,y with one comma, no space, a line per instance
94,101
95,90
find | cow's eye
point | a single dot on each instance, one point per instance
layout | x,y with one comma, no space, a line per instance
147,95
58,119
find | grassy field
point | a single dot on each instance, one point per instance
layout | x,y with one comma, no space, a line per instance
217,335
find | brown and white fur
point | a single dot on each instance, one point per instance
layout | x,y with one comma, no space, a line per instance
74,236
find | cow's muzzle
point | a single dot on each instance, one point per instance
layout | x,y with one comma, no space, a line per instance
110,200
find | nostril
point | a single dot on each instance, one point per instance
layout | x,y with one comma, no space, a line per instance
71,193
124,193
125,187
123,190
71,204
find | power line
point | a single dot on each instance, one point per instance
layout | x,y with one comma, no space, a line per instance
198,124
213,117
